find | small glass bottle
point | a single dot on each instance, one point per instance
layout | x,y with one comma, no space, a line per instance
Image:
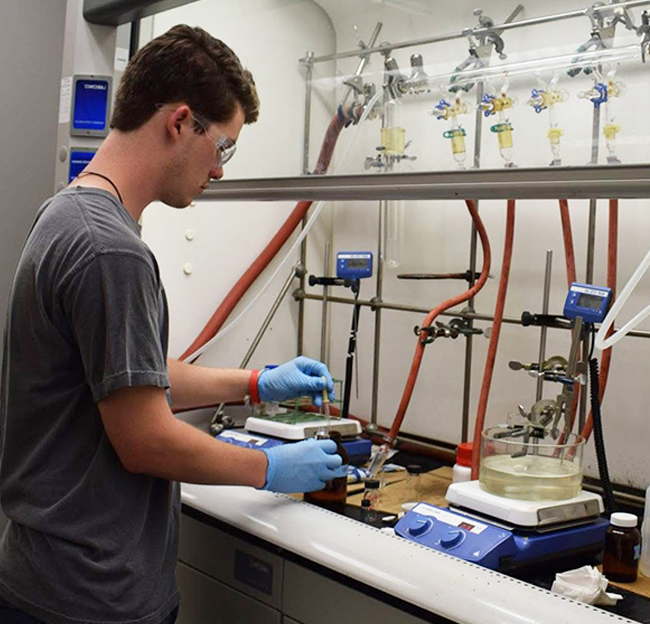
622,548
370,501
334,494
413,492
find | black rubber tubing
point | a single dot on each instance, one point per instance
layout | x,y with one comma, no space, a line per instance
599,441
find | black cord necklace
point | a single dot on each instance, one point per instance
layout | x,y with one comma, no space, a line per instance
101,175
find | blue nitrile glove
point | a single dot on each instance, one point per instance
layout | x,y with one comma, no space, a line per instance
299,377
302,466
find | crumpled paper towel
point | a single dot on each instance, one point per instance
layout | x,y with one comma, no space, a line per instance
585,584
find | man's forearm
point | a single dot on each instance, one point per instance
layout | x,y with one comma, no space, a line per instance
198,386
191,456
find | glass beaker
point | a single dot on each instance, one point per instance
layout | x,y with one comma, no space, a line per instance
538,470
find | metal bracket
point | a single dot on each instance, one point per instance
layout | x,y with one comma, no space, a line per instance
375,304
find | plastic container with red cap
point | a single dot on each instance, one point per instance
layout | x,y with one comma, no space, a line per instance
462,470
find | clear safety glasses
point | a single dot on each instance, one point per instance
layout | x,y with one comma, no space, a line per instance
225,147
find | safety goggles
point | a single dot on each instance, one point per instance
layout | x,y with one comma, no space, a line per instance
225,147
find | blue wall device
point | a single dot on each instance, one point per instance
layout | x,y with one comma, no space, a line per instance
589,302
79,159
353,264
91,99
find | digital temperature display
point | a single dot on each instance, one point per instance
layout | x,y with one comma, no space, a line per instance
353,264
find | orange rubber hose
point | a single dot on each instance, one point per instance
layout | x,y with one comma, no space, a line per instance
494,337
428,321
568,242
571,276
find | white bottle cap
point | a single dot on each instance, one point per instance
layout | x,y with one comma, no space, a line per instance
621,519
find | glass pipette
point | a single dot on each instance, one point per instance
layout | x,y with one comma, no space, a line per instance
326,405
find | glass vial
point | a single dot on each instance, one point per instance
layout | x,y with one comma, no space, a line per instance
394,233
413,486
622,548
370,501
335,492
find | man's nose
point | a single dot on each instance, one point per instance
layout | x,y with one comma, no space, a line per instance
216,173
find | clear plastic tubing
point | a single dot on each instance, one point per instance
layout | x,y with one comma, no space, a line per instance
602,342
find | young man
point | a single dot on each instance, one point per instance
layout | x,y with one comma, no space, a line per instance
91,451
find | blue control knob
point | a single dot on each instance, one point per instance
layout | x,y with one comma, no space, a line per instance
453,538
421,528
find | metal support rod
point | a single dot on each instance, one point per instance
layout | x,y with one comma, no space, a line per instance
324,351
300,347
591,254
544,331
378,313
297,271
364,59
473,248
309,69
477,316
536,21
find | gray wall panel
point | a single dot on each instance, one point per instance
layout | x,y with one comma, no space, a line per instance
31,46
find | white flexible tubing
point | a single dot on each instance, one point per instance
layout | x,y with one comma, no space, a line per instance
303,234
602,342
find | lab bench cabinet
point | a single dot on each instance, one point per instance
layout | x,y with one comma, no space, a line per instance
224,578
208,601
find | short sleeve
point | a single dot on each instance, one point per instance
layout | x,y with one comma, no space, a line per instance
118,316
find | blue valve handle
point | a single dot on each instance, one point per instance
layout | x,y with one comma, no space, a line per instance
601,98
487,99
535,93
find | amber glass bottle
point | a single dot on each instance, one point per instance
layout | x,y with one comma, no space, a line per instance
335,492
622,548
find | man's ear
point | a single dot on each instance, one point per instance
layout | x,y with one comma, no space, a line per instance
175,121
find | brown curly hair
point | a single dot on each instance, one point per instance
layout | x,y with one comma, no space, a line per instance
187,65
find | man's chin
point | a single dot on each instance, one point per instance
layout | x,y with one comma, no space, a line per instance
177,202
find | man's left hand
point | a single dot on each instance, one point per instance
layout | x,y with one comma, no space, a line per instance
301,376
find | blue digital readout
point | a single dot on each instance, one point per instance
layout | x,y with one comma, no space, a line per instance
90,105
78,161
354,264
588,301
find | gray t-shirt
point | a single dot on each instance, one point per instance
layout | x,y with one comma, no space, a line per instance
87,541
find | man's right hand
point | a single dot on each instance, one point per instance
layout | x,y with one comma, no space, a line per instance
303,466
